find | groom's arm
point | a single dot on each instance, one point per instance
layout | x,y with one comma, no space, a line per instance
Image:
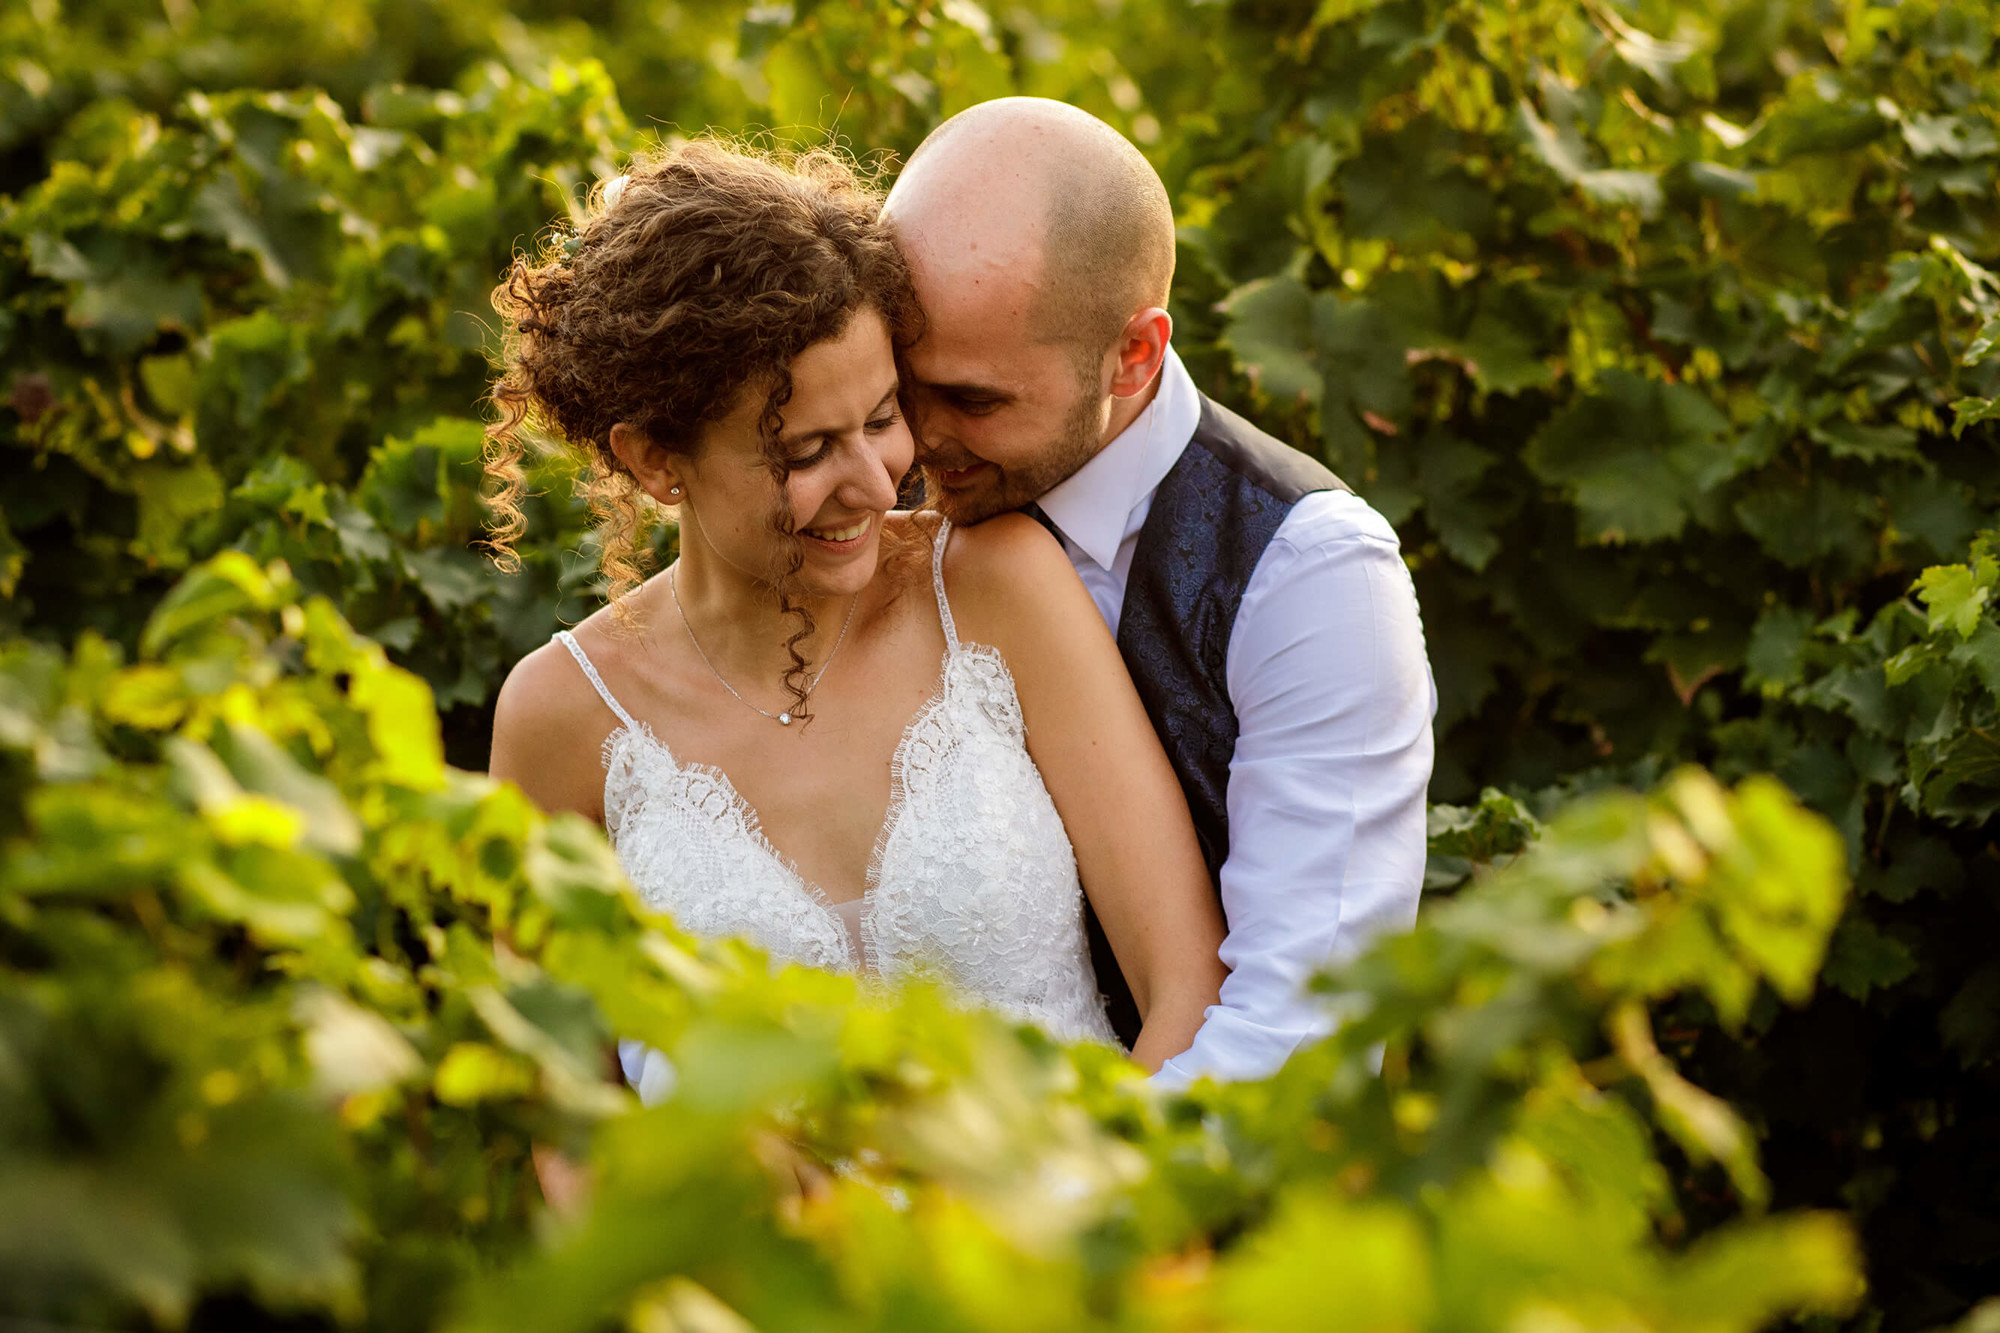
1333,700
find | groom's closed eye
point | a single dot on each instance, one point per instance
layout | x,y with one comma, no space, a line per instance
972,402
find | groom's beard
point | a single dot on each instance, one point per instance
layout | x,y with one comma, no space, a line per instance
996,490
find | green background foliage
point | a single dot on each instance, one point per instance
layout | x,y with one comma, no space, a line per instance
1667,335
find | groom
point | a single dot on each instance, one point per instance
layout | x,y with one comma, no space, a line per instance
1262,607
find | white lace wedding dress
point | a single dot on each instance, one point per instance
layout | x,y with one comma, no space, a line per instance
973,880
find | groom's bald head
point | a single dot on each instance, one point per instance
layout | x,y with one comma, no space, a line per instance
1042,247
1046,199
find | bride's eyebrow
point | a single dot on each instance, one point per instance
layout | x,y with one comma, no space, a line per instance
793,438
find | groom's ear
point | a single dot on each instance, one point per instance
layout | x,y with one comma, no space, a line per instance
1140,351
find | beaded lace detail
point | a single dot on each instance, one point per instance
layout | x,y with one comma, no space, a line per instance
972,882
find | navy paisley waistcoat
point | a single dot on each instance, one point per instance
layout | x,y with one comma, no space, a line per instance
1212,516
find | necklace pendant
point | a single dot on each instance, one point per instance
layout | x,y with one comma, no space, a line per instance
784,718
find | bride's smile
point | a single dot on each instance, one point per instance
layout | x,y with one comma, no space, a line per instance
842,538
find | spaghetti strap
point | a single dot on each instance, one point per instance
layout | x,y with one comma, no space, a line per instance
937,577
568,640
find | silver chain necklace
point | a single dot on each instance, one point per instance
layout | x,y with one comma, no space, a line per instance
782,719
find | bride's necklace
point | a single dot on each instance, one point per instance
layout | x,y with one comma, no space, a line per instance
782,719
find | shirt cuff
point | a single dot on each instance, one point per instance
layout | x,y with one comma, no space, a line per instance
1232,1047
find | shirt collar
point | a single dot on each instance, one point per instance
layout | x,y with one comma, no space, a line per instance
1094,506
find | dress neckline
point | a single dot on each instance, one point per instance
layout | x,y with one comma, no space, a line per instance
632,729
753,821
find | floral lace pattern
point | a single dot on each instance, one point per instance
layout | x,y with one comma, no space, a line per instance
973,881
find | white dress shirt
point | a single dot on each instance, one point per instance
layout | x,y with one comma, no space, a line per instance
1333,698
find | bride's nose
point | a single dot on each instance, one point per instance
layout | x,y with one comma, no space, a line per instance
928,427
869,484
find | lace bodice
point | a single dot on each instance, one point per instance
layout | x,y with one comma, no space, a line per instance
973,880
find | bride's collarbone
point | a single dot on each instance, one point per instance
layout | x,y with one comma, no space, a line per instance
864,695
847,736
820,788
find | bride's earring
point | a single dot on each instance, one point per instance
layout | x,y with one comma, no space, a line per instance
673,490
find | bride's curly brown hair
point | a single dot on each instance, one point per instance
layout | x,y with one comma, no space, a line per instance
697,276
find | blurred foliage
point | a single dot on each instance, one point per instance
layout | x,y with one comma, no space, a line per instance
285,1000
1667,335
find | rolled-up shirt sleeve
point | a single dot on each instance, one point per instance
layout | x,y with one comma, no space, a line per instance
1334,700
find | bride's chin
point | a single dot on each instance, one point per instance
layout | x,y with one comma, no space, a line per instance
845,580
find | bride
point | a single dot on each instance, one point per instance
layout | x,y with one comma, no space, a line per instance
862,738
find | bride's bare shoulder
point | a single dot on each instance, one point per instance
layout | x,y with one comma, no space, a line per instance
547,687
1007,573
1007,547
548,730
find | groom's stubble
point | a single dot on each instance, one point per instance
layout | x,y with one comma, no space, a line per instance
1001,490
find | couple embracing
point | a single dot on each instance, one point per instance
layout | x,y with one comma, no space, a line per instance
1125,730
